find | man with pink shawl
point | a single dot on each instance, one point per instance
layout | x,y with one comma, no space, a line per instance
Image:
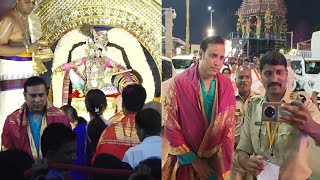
199,115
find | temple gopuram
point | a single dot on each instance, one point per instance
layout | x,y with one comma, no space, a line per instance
261,26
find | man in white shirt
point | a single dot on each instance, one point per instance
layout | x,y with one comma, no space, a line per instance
148,127
257,86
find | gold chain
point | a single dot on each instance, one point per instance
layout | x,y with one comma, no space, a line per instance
25,29
21,15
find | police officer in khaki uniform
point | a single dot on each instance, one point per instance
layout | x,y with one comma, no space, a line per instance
282,145
243,82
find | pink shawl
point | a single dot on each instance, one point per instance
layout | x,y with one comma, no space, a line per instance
187,128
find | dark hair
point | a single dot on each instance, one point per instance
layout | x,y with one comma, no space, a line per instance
211,40
109,161
154,163
166,70
224,69
96,103
246,60
94,130
133,97
55,136
149,120
140,176
69,110
273,58
82,120
233,63
13,164
34,81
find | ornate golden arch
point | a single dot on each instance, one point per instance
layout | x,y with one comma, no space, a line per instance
142,18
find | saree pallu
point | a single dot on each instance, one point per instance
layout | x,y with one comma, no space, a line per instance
187,128
117,138
14,71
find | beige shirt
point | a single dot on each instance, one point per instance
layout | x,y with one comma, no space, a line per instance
290,147
242,106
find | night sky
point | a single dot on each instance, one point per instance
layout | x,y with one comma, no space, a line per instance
300,17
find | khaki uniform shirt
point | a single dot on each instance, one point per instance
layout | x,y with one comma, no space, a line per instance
290,147
242,106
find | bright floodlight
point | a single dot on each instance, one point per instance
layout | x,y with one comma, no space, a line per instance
209,8
210,32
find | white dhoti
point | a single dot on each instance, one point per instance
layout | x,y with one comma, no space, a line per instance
14,70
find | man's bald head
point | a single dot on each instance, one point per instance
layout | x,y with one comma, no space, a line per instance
243,80
241,69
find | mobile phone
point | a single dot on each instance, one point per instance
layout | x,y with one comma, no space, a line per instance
272,110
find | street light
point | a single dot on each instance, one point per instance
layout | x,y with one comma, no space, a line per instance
211,11
210,32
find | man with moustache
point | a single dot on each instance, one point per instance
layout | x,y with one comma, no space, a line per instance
15,56
280,145
243,83
199,118
24,127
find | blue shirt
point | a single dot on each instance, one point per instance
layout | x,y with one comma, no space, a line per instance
35,129
208,98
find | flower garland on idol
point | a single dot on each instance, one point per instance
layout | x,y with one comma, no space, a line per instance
73,47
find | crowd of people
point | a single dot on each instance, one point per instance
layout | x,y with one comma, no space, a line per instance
39,134
230,67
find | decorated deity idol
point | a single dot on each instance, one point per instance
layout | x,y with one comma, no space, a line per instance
95,70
